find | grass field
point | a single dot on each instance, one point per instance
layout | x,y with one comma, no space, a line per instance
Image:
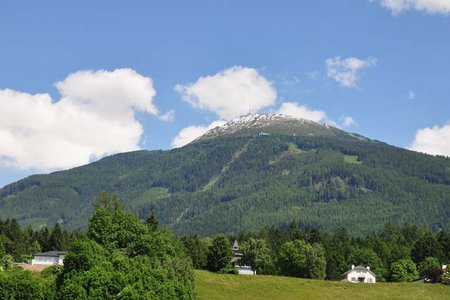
351,159
219,286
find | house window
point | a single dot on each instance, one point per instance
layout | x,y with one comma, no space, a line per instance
360,279
369,280
353,279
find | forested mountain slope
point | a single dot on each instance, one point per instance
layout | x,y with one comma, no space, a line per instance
253,171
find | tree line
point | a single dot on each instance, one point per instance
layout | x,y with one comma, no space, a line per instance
123,257
397,253
21,243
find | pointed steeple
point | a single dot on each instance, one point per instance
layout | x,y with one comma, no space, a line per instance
235,246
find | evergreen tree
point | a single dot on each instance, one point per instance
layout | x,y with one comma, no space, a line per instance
56,240
43,237
427,246
197,250
152,221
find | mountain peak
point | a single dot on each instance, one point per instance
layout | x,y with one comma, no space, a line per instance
267,124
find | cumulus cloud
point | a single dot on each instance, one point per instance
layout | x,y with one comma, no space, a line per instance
429,6
348,121
95,116
411,95
190,133
345,71
302,111
230,93
435,140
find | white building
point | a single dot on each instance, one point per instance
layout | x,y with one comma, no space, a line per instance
245,270
235,261
49,258
359,274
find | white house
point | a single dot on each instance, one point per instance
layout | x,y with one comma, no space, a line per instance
359,274
49,258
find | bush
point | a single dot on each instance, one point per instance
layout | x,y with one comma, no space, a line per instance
428,264
52,270
19,284
228,269
404,270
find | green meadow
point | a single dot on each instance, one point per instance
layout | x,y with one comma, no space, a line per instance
222,286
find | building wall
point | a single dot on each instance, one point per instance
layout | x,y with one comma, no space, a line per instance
245,270
353,276
47,260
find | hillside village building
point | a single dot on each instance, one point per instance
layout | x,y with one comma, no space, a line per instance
49,258
235,261
359,274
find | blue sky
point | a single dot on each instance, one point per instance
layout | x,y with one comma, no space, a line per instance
84,79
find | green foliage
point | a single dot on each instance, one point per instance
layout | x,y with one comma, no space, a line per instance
282,250
152,221
197,249
111,226
403,270
301,259
257,255
330,178
219,253
228,269
22,243
428,264
123,258
57,240
52,271
18,284
6,262
427,246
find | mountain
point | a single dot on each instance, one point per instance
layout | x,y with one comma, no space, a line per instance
254,171
266,124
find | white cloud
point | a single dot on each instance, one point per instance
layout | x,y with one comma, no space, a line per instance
168,116
411,95
230,93
93,118
345,71
434,140
429,6
302,111
190,133
348,121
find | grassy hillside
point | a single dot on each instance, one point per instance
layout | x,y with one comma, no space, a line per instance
217,286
